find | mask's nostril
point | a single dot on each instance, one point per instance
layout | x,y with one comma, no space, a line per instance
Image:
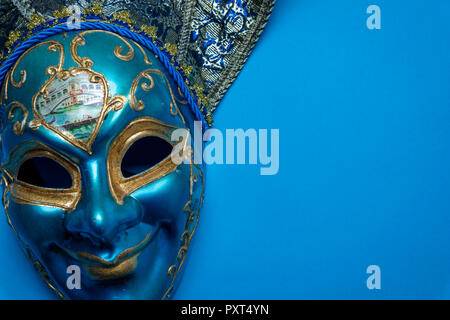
86,236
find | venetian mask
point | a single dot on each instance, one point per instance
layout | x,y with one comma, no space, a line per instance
88,181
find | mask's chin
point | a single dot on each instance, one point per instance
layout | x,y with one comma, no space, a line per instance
133,267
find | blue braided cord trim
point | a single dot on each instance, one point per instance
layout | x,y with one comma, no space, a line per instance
142,39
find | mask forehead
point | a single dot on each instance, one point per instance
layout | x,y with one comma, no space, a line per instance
114,79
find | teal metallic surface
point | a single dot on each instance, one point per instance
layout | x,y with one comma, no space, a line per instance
100,225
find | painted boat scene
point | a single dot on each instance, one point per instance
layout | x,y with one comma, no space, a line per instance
73,105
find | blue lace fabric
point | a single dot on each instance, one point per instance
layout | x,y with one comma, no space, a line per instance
215,37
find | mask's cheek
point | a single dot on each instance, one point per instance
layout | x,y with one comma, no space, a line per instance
163,201
38,226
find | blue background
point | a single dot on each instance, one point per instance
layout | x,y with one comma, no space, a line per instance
364,164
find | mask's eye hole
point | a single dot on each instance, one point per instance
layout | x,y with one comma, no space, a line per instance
44,172
144,154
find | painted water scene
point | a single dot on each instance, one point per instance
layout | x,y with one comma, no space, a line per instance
73,105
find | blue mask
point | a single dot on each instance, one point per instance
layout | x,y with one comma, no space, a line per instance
88,182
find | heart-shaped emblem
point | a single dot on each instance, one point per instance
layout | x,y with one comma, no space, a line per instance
73,104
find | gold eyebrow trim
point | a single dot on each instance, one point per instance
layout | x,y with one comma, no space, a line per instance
25,193
119,186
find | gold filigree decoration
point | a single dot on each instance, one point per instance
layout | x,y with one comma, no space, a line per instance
173,111
144,53
35,124
4,93
138,105
53,46
182,100
126,57
190,227
117,50
84,67
79,40
114,103
19,126
82,62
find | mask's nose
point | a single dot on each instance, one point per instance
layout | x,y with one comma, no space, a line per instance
97,216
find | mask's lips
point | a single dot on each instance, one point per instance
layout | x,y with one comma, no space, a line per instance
122,265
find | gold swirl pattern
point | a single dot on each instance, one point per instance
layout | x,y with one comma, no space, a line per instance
79,40
53,46
19,126
182,100
82,62
144,53
138,105
116,103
